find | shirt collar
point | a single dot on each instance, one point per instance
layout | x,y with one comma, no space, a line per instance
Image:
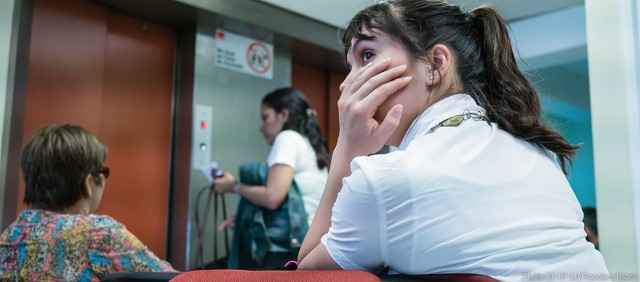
447,107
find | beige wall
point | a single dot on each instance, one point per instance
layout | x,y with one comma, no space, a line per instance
6,31
273,18
613,49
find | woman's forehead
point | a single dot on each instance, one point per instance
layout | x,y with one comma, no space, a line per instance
365,34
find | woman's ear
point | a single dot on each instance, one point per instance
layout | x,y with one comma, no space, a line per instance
283,115
89,184
440,62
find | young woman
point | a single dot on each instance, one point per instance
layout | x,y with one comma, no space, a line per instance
298,152
476,183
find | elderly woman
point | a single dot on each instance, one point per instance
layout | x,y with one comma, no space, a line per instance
57,237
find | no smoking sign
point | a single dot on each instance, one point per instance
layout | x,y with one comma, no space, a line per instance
243,54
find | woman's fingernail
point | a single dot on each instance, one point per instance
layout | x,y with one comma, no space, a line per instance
396,111
407,79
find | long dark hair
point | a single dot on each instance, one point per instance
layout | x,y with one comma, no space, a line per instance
485,61
302,119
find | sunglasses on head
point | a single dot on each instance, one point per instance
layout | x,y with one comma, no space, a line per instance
104,171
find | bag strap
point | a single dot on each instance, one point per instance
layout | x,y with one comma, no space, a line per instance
215,225
219,199
294,243
226,230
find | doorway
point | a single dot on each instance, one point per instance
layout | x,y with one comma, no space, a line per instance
113,75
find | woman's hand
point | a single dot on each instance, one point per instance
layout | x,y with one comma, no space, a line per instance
363,91
225,183
227,223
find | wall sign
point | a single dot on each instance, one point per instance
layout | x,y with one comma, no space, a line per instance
243,54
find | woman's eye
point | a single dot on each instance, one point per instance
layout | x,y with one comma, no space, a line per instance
367,55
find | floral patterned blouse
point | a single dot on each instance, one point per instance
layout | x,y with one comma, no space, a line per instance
47,246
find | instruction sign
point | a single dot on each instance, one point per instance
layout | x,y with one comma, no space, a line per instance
243,54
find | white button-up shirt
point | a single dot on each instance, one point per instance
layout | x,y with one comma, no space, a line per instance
293,149
465,199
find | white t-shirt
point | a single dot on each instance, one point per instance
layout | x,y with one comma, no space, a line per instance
466,199
293,149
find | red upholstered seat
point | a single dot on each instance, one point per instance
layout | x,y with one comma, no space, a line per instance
275,276
317,276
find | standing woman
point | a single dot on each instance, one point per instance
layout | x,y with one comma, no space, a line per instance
477,183
298,152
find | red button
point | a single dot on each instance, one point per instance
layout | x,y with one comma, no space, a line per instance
203,125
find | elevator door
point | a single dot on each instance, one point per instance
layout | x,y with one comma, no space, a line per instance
321,87
112,74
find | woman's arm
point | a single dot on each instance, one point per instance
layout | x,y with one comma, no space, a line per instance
363,91
112,245
322,220
271,196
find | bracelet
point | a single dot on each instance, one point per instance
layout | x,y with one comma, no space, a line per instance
236,188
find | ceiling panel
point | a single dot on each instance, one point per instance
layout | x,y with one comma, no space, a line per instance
339,12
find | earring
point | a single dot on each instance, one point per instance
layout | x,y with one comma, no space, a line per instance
430,75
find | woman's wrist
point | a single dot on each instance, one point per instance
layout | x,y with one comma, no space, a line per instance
340,166
236,188
344,152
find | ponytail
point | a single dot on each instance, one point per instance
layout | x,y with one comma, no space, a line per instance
312,131
509,98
